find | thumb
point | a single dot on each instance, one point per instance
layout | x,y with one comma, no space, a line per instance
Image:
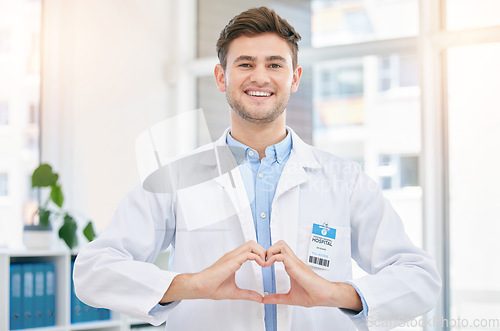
276,299
250,295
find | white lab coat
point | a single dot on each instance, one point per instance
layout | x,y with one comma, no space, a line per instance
115,270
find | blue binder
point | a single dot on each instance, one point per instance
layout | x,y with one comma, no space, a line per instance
39,315
86,312
50,294
81,312
76,304
16,308
94,314
28,292
104,314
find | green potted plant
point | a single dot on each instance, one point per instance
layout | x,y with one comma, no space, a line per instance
50,210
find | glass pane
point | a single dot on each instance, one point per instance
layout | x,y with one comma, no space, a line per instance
474,136
213,15
337,22
466,14
19,112
368,110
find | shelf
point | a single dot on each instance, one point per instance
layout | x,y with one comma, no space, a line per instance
135,321
62,260
96,325
33,253
45,328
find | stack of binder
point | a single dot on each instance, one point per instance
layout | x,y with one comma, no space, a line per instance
81,312
32,295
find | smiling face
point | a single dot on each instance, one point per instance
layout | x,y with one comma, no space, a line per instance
259,77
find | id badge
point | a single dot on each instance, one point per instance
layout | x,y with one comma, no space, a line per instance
321,246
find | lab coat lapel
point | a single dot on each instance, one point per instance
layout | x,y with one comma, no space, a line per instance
286,203
238,197
294,173
285,214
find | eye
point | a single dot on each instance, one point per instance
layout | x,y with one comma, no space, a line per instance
275,66
245,65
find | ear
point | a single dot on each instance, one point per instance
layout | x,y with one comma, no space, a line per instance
297,73
220,77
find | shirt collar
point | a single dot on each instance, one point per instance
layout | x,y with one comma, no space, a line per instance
238,149
279,151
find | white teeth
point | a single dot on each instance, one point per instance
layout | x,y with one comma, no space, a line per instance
258,94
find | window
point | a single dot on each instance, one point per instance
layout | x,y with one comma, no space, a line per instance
354,21
341,99
33,114
465,14
397,71
4,185
4,113
341,82
19,108
397,171
4,42
474,181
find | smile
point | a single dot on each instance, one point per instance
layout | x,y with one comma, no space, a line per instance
259,93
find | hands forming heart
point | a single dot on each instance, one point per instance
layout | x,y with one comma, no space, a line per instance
306,287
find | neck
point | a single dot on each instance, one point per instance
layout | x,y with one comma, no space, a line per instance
258,136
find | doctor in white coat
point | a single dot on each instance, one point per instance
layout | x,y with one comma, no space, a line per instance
223,273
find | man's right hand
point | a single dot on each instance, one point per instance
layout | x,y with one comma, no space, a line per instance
217,282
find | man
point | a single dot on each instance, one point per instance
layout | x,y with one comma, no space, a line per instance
264,266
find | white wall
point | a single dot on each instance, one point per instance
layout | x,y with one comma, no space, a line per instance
105,81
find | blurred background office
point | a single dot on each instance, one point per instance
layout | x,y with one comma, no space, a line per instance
407,88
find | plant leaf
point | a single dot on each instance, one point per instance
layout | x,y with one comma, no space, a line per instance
44,215
88,232
43,176
67,232
56,195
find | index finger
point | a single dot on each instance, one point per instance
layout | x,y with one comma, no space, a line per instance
280,247
253,247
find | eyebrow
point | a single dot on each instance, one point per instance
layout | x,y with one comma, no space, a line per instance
253,59
245,58
276,58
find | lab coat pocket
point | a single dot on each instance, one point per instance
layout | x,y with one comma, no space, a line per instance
340,261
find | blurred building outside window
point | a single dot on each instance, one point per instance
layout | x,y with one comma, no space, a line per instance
354,21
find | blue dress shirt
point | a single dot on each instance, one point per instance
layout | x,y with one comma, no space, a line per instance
261,179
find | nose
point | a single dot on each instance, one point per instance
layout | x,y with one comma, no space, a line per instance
260,76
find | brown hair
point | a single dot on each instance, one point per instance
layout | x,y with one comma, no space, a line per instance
254,22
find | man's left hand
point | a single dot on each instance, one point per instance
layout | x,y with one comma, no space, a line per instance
306,287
